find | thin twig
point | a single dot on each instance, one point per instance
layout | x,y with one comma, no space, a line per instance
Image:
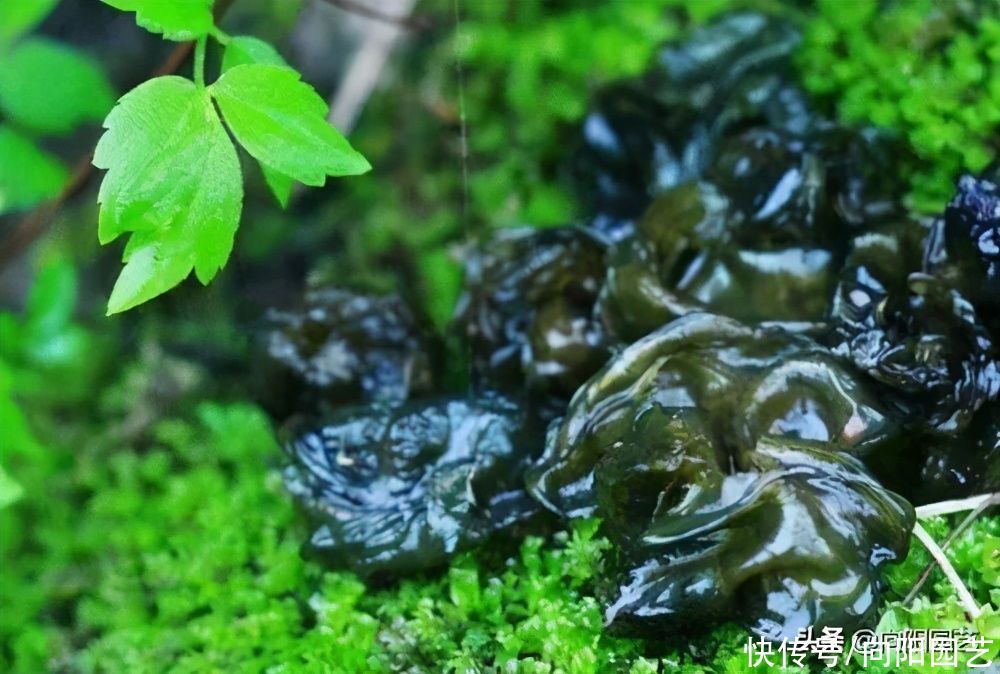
34,224
402,20
964,596
955,533
957,506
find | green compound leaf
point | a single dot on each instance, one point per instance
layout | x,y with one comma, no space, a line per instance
246,50
281,122
20,16
179,20
173,181
27,175
51,88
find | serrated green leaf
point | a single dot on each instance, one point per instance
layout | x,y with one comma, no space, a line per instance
179,20
174,181
27,174
281,121
140,173
51,88
20,16
244,50
151,270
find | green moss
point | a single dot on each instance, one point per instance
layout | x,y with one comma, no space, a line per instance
184,557
148,546
928,71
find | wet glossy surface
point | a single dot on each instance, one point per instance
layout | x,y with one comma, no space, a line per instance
759,238
964,464
347,347
647,135
529,316
707,379
796,539
900,314
685,256
395,489
724,463
965,244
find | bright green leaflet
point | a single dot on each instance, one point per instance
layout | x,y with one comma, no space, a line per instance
281,122
245,50
174,180
20,16
27,175
74,88
176,19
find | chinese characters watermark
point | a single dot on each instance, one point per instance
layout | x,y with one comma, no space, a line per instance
927,647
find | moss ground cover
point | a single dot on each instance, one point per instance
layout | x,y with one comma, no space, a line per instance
143,525
171,546
930,71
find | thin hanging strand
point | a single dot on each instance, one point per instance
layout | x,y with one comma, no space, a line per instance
463,213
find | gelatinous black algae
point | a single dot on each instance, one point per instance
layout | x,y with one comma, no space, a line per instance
968,462
964,247
345,347
762,244
916,320
757,227
399,488
726,464
755,348
529,314
647,135
797,539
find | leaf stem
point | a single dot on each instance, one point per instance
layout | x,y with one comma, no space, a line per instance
964,596
199,61
220,36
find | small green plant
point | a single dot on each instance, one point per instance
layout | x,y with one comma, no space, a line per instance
174,182
76,91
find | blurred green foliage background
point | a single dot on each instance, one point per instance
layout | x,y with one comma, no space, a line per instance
143,527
